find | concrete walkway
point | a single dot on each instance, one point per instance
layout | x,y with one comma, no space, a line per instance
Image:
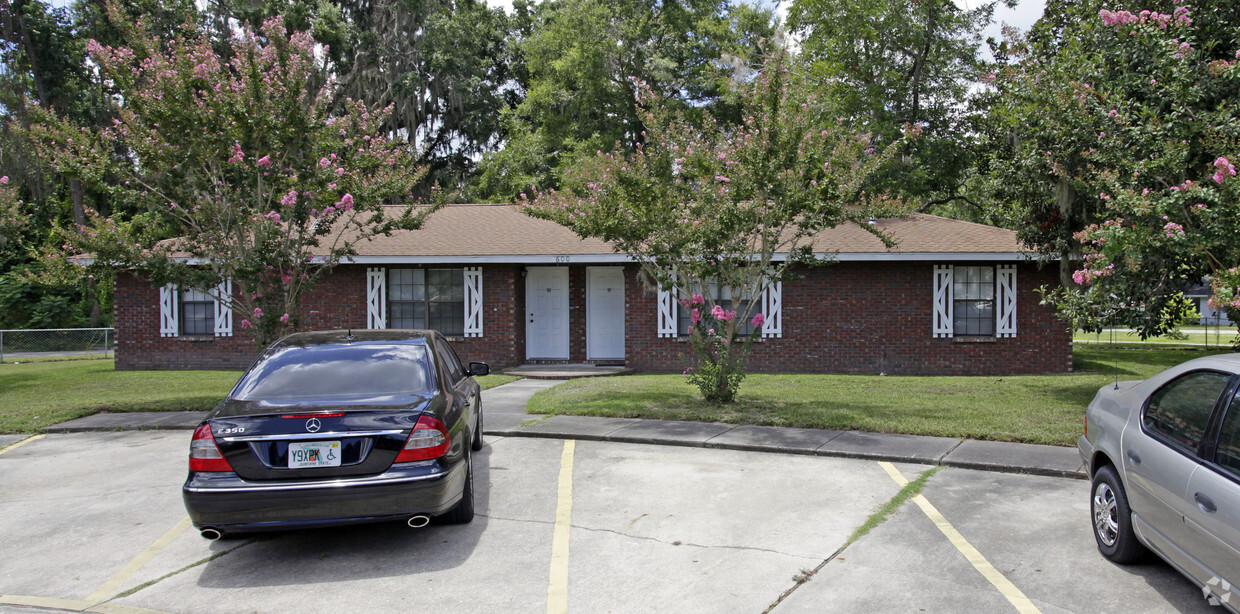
504,415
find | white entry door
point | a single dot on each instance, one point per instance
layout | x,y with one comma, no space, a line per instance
605,313
546,307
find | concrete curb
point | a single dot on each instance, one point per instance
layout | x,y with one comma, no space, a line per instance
505,414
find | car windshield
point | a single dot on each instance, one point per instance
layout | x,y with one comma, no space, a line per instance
337,371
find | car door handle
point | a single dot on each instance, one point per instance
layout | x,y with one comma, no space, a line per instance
1132,456
1205,503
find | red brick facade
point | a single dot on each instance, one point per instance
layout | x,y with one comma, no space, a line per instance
852,317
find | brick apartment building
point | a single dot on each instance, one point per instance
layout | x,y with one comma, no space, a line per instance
952,298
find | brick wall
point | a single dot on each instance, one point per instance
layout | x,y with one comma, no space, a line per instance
842,318
872,318
339,301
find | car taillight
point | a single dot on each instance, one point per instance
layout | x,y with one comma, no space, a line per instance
428,440
204,455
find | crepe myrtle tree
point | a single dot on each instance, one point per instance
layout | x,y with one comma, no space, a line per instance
12,217
1151,132
238,168
721,207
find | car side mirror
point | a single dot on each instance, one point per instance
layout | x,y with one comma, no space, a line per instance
478,369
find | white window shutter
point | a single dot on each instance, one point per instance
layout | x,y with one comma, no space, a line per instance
168,311
376,298
473,302
943,301
223,313
667,312
1005,297
773,309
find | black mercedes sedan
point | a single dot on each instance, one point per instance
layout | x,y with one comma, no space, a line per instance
340,427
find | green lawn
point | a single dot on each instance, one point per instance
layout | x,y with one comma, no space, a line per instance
1033,408
1221,338
1030,408
38,394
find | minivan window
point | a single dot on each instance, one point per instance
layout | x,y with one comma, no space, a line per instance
1180,410
344,370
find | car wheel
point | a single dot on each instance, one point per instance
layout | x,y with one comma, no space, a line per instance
1112,519
464,511
476,444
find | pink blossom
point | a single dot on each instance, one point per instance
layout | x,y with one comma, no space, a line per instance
273,216
1082,277
1172,229
289,199
264,161
284,318
324,163
722,179
695,316
346,202
4,180
339,172
758,320
258,313
246,324
697,299
1223,169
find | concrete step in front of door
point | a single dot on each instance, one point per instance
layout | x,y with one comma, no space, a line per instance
566,371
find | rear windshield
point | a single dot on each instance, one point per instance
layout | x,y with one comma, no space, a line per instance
337,371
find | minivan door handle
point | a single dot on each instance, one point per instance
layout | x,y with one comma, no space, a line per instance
1132,456
1205,503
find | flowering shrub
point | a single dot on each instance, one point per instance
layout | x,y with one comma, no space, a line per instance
12,218
699,208
1141,110
241,158
719,348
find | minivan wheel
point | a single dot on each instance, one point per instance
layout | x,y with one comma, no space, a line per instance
1112,519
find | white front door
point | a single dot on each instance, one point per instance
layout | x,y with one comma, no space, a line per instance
546,306
605,313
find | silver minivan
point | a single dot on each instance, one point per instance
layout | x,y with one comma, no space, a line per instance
1164,455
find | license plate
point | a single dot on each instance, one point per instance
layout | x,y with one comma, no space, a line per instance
314,454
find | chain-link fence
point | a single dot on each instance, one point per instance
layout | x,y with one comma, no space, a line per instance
51,342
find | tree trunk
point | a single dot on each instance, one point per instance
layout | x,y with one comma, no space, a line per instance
1065,198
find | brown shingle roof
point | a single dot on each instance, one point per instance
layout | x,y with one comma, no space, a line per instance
491,232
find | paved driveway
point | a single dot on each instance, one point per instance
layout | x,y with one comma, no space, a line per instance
94,521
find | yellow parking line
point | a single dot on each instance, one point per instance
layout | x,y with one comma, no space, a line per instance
43,602
988,571
111,608
21,443
108,588
557,587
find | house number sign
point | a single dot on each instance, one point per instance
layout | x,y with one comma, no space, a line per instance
562,259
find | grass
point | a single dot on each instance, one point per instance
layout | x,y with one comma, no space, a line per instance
38,394
1044,409
1223,338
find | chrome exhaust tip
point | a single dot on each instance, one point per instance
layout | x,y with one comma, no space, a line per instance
419,521
211,534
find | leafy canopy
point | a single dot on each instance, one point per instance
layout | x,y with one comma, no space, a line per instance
238,157
727,206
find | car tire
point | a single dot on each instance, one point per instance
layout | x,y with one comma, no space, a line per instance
1112,519
477,443
463,513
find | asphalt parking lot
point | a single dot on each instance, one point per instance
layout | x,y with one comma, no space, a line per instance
94,522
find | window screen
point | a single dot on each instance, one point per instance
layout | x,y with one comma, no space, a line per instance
427,298
197,313
973,295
